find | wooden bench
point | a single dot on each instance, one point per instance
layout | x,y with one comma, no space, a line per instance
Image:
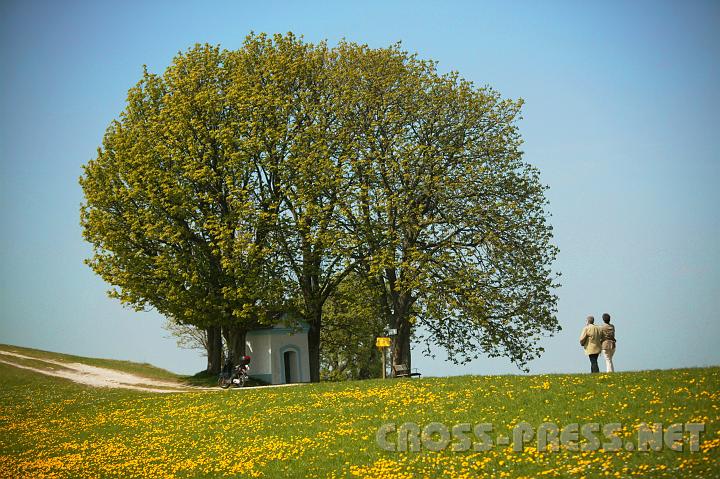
402,371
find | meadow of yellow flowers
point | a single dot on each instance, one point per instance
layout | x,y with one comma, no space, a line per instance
54,428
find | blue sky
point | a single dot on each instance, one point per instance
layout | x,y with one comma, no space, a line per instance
621,117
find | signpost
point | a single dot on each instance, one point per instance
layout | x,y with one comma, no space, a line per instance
383,343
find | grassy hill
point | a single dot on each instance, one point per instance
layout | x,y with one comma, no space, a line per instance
142,369
53,427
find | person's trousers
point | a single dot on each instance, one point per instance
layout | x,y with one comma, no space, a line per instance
608,360
593,363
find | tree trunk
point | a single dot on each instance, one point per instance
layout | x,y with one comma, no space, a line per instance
367,369
401,343
314,346
214,349
235,340
397,305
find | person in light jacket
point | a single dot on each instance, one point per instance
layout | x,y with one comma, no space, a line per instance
607,332
590,339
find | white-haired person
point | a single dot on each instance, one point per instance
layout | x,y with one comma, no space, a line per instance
590,339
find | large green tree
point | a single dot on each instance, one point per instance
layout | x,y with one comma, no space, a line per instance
239,181
291,88
450,221
172,204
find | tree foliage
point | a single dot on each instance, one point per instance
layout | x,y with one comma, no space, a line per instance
290,87
240,181
452,220
352,320
172,204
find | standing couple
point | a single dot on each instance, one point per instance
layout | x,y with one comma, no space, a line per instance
595,339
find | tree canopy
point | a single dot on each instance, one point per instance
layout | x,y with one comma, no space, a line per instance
243,182
452,220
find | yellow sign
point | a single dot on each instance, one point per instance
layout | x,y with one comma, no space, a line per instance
382,342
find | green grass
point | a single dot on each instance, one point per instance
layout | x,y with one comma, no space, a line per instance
141,369
53,427
202,378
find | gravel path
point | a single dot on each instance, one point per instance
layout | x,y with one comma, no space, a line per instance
96,376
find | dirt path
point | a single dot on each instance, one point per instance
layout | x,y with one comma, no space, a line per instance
96,376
